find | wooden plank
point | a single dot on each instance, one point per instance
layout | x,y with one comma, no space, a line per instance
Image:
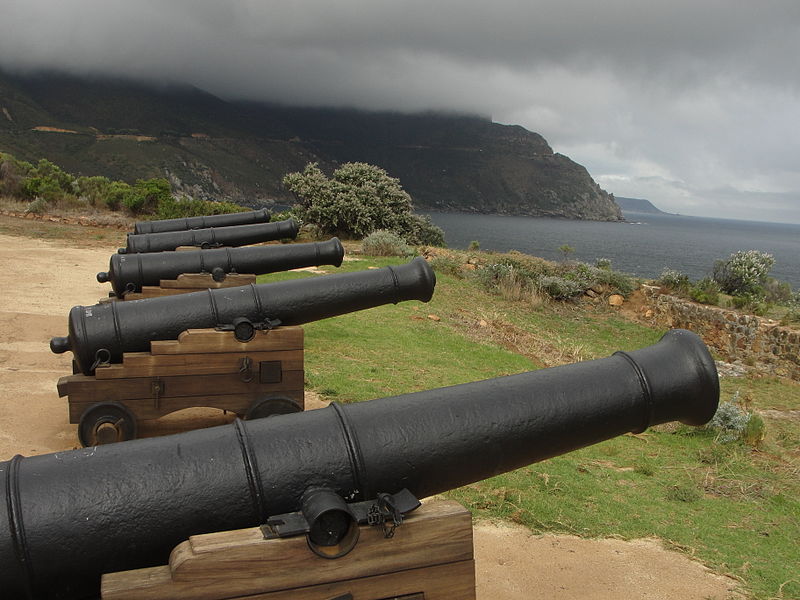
188,390
146,408
147,365
177,385
139,359
198,341
431,553
452,581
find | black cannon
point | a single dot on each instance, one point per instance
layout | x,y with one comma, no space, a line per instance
226,220
71,516
212,237
129,272
103,332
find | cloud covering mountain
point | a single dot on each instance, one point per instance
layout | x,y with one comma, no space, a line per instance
693,105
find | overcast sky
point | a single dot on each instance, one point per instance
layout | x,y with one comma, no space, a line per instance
692,104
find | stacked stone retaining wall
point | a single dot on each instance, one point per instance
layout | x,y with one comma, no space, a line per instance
737,338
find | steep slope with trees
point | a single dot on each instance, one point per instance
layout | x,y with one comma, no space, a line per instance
212,148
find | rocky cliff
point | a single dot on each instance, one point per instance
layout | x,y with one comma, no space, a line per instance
239,151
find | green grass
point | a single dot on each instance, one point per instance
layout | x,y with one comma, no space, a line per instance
728,505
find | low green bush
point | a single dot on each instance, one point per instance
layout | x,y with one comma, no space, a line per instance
385,243
145,195
733,422
172,208
448,265
674,281
37,207
705,291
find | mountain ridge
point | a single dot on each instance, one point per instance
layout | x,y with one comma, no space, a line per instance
639,205
212,148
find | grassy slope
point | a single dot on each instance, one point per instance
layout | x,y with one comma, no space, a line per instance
732,507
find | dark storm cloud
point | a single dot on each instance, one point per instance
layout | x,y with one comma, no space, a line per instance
695,95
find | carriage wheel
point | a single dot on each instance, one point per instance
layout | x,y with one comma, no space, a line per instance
270,406
105,423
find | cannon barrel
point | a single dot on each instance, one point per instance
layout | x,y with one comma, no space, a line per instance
226,220
129,272
103,332
235,235
71,516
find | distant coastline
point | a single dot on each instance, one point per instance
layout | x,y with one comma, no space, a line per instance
638,205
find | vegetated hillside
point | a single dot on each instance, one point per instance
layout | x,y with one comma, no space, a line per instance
240,151
639,205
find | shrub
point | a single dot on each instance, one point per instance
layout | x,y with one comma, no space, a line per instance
385,243
358,199
603,263
144,197
172,208
474,246
705,291
683,493
116,193
750,303
560,288
447,264
47,180
674,281
422,232
733,422
744,273
621,283
12,174
777,292
566,250
93,189
37,207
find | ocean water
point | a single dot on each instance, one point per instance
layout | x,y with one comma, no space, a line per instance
644,245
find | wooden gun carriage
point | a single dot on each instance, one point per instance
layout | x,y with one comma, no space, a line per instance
203,367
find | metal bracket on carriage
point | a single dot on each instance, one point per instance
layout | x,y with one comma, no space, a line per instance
244,330
331,524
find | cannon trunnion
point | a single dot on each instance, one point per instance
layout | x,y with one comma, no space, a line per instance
70,516
211,237
202,222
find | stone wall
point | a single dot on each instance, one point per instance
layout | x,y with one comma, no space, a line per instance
737,338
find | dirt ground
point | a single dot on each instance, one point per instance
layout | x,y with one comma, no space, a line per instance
41,280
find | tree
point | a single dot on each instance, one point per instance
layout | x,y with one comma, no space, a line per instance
358,199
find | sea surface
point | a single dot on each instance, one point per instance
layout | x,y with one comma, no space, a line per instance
644,245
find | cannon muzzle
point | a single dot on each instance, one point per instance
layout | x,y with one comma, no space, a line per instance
129,272
226,220
211,237
71,516
103,332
